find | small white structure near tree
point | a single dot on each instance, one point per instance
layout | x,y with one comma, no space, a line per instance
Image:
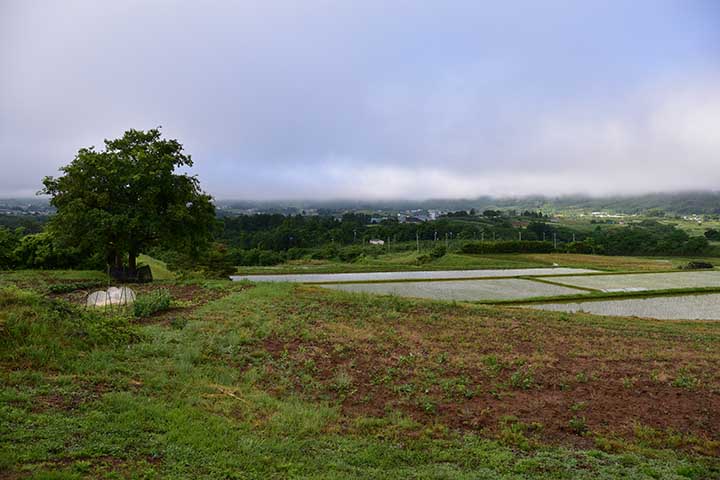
111,296
376,241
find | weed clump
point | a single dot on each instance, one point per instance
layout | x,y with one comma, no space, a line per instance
343,382
153,302
517,434
578,425
522,379
685,380
47,332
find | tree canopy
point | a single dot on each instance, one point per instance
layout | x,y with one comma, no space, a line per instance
127,198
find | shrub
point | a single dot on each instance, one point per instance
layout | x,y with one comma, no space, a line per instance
514,246
255,257
248,257
350,254
437,252
649,238
697,265
712,234
695,246
425,258
327,252
9,240
269,258
218,263
41,250
150,303
295,253
580,247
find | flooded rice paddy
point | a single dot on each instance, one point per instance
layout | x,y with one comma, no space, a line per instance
468,290
502,284
424,275
643,281
685,307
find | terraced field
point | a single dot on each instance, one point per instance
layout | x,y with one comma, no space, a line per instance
686,307
520,285
644,281
406,275
468,290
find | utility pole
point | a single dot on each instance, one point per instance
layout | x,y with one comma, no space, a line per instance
493,236
555,240
573,238
543,236
435,238
447,243
520,235
417,239
354,235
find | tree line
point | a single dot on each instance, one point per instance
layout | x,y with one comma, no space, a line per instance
268,239
126,199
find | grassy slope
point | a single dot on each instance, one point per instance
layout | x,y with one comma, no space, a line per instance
159,268
242,390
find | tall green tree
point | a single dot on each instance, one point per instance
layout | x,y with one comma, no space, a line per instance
128,197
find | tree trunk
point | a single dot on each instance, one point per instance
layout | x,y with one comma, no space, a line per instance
132,261
114,260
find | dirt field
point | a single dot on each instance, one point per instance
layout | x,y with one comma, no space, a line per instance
548,377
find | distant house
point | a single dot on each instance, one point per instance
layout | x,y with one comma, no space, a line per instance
376,241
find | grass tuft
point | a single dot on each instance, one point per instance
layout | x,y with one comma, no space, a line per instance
153,302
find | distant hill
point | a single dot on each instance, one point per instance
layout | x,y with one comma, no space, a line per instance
682,203
25,206
679,203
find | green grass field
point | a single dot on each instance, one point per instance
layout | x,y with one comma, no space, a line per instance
693,227
282,381
407,261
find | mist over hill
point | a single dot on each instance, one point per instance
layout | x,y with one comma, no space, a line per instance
682,203
674,203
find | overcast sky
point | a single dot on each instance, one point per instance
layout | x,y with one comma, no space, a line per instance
372,99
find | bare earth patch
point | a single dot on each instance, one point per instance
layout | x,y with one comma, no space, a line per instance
469,369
